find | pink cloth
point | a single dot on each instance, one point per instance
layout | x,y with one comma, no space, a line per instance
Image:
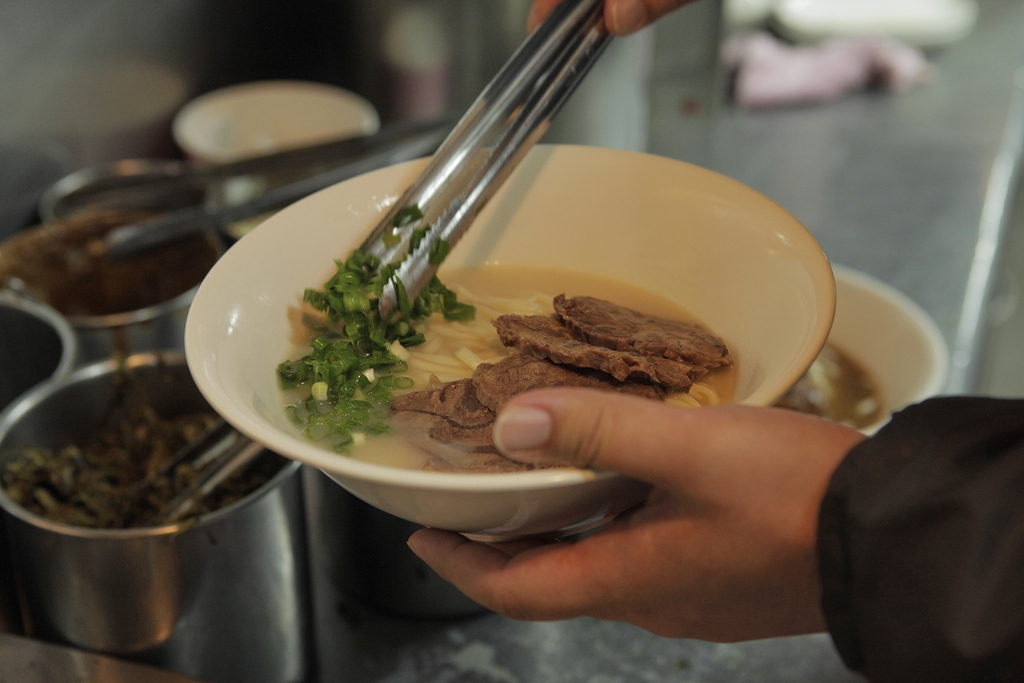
770,73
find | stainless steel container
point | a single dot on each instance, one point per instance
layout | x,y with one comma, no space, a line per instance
122,307
161,326
157,327
63,199
224,598
36,343
362,551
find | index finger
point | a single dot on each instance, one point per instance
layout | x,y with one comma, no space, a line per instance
541,581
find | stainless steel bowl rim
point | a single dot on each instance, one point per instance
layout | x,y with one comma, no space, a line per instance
37,395
140,315
73,182
49,315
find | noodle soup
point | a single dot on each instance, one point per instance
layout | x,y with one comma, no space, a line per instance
453,350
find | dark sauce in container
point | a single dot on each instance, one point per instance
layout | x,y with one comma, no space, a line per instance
61,264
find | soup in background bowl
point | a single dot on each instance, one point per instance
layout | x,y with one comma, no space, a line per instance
884,352
709,245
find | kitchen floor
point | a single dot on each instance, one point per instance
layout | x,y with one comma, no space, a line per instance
1004,364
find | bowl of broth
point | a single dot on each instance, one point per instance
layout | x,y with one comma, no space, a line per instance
884,352
648,237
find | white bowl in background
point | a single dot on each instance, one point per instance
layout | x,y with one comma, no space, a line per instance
262,117
925,23
891,337
732,257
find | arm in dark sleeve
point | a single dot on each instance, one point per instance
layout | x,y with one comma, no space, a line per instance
921,546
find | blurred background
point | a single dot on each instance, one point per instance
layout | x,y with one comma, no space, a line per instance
83,83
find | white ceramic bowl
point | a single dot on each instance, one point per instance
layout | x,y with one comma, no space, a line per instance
262,117
891,337
729,255
926,23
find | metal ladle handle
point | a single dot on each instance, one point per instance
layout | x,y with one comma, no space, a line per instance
507,119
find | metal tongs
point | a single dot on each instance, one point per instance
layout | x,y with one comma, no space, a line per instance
337,161
218,454
502,125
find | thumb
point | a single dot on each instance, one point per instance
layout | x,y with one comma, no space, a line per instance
593,429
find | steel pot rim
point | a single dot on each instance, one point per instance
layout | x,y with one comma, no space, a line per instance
141,315
59,323
49,203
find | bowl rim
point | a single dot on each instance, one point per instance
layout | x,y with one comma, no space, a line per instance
292,445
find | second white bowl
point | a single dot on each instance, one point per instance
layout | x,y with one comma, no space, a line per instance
252,119
891,337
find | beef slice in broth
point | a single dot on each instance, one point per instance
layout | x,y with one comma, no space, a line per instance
546,337
453,422
497,383
590,343
452,427
450,413
612,326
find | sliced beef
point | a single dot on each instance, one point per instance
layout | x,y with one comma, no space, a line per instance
591,343
546,337
449,413
452,427
606,324
497,383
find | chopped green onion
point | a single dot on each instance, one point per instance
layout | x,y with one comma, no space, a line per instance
438,252
353,368
407,215
417,236
391,238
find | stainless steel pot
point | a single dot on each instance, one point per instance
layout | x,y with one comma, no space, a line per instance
36,343
132,188
161,326
223,598
114,307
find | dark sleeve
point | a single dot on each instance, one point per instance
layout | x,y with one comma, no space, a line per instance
921,546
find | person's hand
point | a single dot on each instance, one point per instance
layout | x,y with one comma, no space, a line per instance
724,548
622,17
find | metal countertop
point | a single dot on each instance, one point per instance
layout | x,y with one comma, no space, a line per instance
913,189
27,660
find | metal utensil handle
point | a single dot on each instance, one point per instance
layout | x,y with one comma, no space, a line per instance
120,184
568,68
127,240
466,150
222,467
219,432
